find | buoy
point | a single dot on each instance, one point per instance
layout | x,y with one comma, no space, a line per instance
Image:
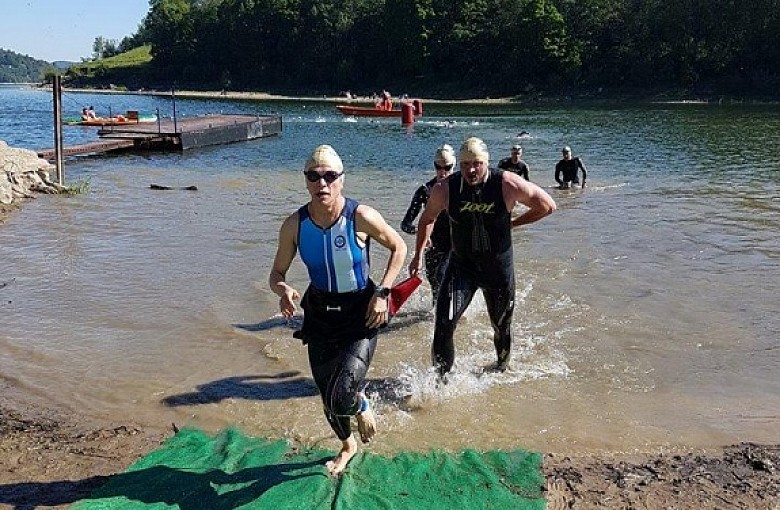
417,107
407,114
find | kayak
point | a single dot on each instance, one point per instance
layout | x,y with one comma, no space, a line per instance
365,111
117,120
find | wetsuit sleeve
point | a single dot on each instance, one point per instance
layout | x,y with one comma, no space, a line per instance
524,173
584,171
558,170
418,202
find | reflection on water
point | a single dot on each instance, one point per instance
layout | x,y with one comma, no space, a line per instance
646,306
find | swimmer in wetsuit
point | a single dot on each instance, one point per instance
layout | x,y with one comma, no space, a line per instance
438,251
478,202
566,170
514,164
343,307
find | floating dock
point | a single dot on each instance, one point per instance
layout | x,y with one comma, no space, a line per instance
176,134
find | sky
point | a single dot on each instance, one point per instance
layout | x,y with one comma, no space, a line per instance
65,29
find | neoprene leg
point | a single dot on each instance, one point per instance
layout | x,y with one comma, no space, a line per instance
500,305
339,369
456,294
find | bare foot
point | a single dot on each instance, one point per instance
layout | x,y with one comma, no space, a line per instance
339,463
366,421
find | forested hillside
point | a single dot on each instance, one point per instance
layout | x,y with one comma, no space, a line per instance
16,68
485,47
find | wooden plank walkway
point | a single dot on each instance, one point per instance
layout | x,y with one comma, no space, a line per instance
185,133
88,148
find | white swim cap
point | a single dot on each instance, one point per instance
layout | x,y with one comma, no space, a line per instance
474,149
445,155
324,155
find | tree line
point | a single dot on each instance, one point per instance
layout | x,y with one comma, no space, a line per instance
18,68
451,47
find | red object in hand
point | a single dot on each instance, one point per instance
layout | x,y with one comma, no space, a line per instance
401,292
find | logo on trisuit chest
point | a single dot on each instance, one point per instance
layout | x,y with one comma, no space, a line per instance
476,207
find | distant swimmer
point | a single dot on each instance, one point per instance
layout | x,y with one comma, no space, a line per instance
479,203
514,164
343,307
523,134
566,170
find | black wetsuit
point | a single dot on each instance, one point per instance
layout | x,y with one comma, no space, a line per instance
437,254
481,258
566,172
520,168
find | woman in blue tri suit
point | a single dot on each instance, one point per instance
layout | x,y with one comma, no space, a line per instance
343,308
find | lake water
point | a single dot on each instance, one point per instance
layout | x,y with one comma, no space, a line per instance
647,305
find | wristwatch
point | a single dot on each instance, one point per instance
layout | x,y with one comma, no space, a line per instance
382,292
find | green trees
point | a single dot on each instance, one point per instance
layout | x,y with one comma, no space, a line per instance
478,46
16,68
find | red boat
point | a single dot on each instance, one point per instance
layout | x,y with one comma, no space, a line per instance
370,111
365,111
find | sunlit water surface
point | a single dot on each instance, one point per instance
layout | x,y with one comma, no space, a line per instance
647,312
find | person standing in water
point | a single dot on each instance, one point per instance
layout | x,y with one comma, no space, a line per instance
343,307
514,164
478,202
566,170
438,251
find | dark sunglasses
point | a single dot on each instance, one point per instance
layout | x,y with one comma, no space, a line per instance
442,167
329,176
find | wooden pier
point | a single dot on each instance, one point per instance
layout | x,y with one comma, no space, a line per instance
181,134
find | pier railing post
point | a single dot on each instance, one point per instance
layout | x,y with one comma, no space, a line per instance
57,101
173,97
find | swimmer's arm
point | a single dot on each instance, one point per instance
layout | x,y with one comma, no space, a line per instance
418,201
368,220
584,171
285,253
517,190
435,205
558,171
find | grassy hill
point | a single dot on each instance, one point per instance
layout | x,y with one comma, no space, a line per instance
130,69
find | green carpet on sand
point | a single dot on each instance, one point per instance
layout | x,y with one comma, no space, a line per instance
196,471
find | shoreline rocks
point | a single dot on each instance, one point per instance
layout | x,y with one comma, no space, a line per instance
23,173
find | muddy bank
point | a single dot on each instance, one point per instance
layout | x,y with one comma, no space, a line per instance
51,458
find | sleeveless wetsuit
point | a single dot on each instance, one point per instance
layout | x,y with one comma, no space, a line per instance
481,258
340,345
437,254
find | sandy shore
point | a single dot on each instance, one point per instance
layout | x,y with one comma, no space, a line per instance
49,458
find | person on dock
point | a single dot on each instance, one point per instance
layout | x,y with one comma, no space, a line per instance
438,251
479,202
343,308
514,164
566,170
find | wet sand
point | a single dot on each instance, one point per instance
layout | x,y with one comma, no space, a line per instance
51,458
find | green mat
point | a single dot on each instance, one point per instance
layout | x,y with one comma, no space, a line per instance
195,471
